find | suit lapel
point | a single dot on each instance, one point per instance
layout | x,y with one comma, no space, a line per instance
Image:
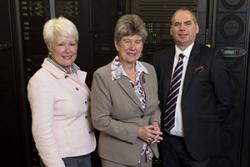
167,70
192,63
126,86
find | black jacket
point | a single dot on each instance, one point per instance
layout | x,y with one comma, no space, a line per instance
206,97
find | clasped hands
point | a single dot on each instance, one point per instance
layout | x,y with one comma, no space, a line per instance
150,133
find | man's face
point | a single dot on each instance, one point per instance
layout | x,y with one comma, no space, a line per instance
183,28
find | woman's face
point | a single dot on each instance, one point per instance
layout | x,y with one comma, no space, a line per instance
64,51
129,48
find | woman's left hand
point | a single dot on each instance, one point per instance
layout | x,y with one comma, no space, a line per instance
150,133
157,132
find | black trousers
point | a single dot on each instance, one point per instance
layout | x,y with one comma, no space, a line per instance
79,161
173,153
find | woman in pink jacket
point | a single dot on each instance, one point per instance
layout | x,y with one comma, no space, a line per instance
59,100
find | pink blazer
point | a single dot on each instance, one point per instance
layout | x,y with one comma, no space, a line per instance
60,115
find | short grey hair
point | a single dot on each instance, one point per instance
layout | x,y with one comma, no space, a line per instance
130,24
59,27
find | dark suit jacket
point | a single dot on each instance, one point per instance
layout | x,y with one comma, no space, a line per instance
206,98
117,113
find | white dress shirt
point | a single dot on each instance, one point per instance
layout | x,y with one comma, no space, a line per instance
177,130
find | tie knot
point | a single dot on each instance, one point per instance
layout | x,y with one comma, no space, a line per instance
181,56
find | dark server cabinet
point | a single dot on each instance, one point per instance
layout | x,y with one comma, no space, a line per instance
231,37
245,156
33,14
14,137
104,15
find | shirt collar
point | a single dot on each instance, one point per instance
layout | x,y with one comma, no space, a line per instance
117,70
74,67
185,52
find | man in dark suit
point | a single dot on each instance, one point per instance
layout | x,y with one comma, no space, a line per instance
196,100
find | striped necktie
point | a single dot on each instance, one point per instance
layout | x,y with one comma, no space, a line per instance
169,114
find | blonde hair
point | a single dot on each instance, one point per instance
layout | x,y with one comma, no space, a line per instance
59,27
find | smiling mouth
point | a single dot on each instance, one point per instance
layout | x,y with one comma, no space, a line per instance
183,35
131,54
67,57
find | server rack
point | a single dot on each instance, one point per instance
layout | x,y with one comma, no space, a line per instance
95,20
